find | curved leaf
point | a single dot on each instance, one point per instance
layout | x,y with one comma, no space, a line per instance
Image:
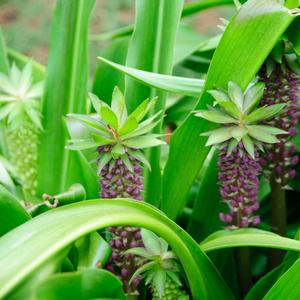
41,238
179,85
248,237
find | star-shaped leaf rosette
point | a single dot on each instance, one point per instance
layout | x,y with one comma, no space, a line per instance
239,139
241,118
159,267
118,134
19,97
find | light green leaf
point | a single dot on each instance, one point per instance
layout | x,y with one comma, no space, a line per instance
230,108
117,151
219,135
268,129
109,117
146,141
140,157
118,105
130,125
215,116
249,145
264,113
97,103
104,159
262,135
219,96
82,144
253,96
174,84
238,132
248,237
101,141
236,94
151,242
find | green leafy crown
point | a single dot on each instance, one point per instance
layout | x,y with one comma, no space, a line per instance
19,97
240,116
125,134
159,262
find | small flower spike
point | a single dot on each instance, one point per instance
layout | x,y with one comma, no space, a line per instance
20,112
282,77
239,140
120,140
159,268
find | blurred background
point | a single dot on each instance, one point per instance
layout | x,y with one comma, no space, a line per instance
27,23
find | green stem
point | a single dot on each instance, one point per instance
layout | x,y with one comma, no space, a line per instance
244,270
278,215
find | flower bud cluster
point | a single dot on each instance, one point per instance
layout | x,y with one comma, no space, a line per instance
238,176
280,159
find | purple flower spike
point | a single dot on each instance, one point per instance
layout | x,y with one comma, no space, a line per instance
282,87
239,191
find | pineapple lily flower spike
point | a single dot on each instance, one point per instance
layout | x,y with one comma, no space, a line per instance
20,112
240,138
120,139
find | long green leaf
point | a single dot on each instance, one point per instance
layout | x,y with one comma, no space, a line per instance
287,286
241,52
44,236
248,237
151,49
65,92
178,85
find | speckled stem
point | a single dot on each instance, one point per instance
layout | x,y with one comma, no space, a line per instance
117,181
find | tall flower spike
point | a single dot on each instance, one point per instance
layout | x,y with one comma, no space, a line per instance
159,267
281,77
239,139
19,100
120,139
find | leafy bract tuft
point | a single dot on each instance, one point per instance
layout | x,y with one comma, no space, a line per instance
112,126
241,118
19,97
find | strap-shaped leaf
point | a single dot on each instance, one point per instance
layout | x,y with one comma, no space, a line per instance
215,116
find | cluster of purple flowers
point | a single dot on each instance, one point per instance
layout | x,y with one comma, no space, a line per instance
280,159
117,181
238,177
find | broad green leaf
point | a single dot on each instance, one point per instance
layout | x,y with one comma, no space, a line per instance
152,49
109,117
12,214
178,85
236,94
238,57
141,142
65,92
253,96
215,116
58,228
287,286
86,284
248,237
93,251
264,113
